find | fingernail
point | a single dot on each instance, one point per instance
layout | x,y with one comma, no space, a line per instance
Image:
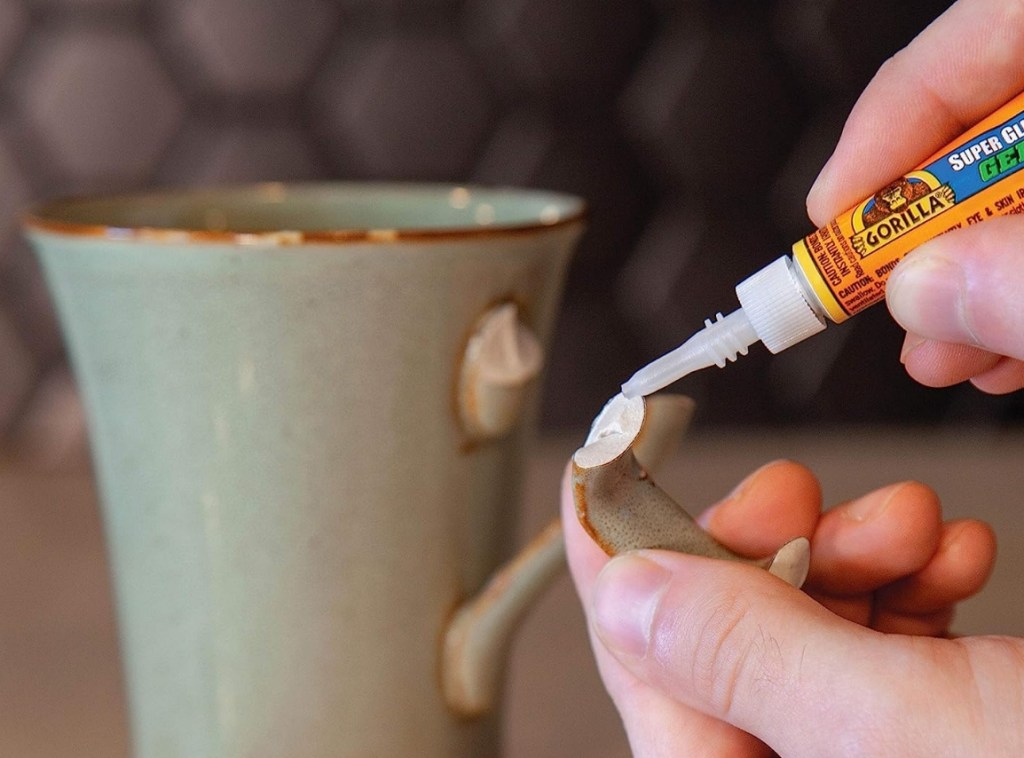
910,343
870,506
926,294
626,595
741,489
739,492
820,181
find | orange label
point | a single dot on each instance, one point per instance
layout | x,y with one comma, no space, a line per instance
976,177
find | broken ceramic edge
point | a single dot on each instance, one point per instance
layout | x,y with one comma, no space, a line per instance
613,431
502,359
650,427
622,509
791,562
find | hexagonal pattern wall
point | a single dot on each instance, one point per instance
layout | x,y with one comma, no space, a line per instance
638,105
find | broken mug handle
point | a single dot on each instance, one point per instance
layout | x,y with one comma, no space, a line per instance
478,637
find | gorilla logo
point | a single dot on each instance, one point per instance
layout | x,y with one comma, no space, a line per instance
894,198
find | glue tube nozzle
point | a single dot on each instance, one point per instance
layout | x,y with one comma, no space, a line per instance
776,308
718,342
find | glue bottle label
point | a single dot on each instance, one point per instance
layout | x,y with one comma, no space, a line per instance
976,177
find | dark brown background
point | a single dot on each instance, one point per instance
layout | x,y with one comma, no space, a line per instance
694,130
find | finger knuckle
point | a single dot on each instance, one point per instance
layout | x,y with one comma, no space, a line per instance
733,654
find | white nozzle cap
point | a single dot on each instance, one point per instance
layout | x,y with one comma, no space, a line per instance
774,310
777,307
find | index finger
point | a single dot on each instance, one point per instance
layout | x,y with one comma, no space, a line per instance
962,67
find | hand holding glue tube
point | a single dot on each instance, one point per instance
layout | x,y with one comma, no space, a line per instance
843,268
710,658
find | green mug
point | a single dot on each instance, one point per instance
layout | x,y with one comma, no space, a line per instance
308,411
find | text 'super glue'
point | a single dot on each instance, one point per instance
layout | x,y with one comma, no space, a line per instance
841,269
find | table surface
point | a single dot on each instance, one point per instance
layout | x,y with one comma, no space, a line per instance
60,689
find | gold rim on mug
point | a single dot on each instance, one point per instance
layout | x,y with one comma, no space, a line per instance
52,216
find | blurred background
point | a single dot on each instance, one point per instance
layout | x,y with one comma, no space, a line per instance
693,129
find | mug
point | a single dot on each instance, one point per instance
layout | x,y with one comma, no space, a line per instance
308,410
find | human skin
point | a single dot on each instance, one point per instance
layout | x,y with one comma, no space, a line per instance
709,658
725,651
958,296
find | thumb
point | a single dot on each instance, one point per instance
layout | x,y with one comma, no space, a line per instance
965,287
740,645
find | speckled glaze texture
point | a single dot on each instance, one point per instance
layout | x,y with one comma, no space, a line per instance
621,507
293,512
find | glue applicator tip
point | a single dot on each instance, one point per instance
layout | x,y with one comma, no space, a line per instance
716,344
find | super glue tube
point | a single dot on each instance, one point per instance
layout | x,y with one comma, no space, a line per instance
841,269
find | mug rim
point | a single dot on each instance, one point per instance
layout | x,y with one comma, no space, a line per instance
45,216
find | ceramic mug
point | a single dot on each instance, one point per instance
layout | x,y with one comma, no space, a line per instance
308,407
